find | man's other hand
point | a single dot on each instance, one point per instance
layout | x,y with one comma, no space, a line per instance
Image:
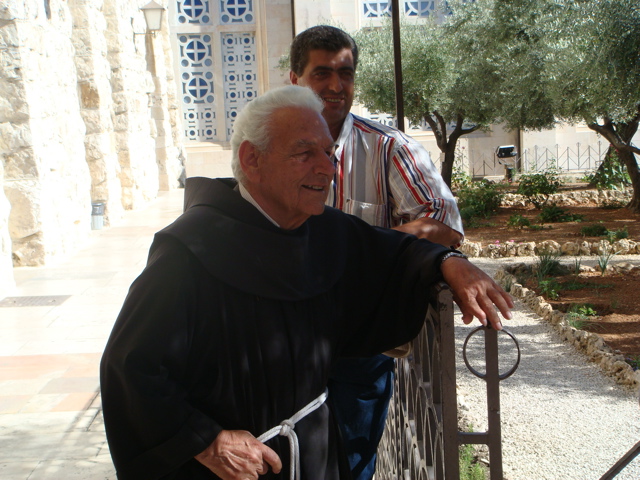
238,455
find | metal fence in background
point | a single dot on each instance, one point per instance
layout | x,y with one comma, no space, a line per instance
578,159
567,159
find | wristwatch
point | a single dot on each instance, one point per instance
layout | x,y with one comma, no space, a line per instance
452,253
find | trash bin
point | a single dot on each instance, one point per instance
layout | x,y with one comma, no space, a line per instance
508,173
507,155
97,216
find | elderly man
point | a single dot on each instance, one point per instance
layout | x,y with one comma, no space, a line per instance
387,179
226,339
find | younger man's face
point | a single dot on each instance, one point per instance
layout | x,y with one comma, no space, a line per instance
331,75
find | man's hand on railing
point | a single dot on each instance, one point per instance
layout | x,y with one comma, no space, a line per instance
476,293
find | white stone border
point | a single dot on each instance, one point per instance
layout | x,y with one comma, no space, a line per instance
610,361
530,249
584,248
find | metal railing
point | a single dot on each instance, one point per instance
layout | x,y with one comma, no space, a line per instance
421,439
625,460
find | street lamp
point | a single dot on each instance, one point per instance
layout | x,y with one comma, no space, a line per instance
153,16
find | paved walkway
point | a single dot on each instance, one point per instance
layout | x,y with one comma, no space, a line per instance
50,350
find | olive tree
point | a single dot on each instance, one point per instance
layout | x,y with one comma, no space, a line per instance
594,71
454,77
428,74
585,53
525,63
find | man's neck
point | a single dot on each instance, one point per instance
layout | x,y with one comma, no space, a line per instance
335,129
249,198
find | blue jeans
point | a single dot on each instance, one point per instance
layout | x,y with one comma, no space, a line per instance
359,392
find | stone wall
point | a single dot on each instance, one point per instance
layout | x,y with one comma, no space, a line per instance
46,177
96,105
87,114
6,278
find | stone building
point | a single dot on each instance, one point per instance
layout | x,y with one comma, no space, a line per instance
88,114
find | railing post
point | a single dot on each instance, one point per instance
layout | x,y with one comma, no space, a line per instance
449,394
623,462
492,377
493,404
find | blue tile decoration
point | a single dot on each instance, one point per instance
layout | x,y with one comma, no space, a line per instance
239,73
197,82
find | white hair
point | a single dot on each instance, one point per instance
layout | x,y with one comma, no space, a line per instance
254,120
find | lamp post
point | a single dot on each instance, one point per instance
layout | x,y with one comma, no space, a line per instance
153,16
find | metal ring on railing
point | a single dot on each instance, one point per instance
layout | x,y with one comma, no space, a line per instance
480,375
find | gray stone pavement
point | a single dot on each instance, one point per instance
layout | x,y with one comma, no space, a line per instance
50,422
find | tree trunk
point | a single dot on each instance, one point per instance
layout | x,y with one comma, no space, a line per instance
620,135
447,164
447,146
629,159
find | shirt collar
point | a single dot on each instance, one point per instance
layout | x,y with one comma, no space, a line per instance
345,131
247,196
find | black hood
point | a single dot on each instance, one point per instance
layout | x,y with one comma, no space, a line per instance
238,245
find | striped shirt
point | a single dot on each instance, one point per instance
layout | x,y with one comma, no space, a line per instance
386,178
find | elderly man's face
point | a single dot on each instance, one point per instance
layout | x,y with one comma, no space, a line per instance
292,178
331,75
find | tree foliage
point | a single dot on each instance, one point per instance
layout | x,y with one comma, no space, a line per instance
525,63
428,75
590,65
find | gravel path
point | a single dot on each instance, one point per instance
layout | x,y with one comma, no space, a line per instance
561,418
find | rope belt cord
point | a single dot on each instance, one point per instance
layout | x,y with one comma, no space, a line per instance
286,429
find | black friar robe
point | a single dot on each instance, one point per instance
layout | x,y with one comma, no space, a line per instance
234,324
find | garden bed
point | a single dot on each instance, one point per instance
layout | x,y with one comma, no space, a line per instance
497,228
598,313
516,229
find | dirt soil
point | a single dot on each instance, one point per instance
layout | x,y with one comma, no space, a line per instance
495,228
615,297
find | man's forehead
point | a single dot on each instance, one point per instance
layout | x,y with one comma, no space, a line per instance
303,126
327,59
310,136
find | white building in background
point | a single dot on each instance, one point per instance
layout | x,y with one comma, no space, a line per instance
227,52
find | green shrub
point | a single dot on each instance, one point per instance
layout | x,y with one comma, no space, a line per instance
553,213
550,288
469,468
537,187
579,322
518,221
594,230
612,175
479,199
585,309
459,179
603,261
579,316
547,264
613,235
